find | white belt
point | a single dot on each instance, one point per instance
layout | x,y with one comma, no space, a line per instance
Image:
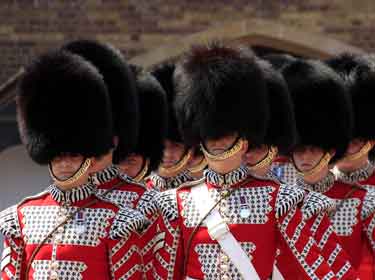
219,231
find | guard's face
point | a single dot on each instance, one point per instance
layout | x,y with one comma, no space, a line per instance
255,154
307,157
173,153
132,165
66,165
355,146
219,146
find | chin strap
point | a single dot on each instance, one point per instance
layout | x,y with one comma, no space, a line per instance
266,161
321,164
75,177
178,167
237,147
363,151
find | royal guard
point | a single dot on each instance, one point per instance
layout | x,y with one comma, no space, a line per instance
173,170
122,85
148,152
147,155
68,231
324,119
282,166
229,225
120,82
281,135
355,167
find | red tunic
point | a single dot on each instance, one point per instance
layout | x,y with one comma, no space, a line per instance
134,195
99,242
273,220
353,219
365,177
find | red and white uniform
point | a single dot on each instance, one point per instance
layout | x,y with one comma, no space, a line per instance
131,194
284,170
100,242
155,181
365,177
261,215
354,217
315,208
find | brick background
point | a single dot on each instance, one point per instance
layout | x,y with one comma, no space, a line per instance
28,27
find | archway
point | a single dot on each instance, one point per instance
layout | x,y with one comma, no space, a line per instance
256,33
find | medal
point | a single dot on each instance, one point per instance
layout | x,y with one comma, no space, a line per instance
80,226
244,208
278,171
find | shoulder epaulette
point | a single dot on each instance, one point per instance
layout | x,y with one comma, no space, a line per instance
287,198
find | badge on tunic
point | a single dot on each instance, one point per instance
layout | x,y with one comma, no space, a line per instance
79,222
278,171
244,208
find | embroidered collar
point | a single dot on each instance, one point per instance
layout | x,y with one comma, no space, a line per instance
321,187
163,184
104,175
73,195
357,175
226,180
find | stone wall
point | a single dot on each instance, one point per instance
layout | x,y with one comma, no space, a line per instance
28,27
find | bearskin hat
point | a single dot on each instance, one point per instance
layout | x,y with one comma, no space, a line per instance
322,106
281,130
345,63
220,91
153,117
121,88
363,99
63,107
279,60
164,74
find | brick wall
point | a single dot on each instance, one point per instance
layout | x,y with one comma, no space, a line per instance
28,27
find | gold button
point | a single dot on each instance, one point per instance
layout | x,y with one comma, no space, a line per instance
54,265
225,277
54,275
224,258
61,219
224,192
58,238
60,229
224,267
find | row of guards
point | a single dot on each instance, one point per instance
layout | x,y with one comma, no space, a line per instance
221,165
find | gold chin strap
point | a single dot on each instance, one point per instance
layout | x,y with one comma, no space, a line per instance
75,177
177,168
140,176
322,163
272,152
199,167
225,155
363,151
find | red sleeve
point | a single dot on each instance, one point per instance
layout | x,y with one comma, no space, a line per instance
125,258
299,252
11,261
329,244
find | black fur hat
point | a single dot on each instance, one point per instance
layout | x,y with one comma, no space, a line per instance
363,99
63,107
121,88
323,111
164,74
279,60
153,117
220,91
281,130
345,63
